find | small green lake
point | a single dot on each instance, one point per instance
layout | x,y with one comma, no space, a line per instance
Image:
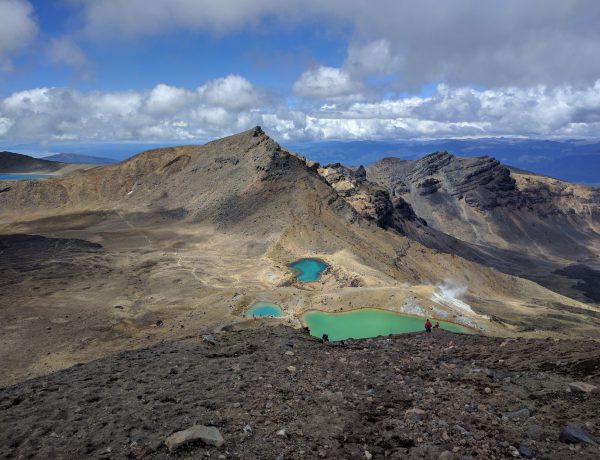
263,309
367,322
308,269
22,176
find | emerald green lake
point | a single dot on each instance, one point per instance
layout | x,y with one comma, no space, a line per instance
308,269
262,309
367,322
22,176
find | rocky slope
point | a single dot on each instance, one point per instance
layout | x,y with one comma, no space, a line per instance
275,392
520,223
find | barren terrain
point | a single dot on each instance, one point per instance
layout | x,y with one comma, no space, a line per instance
275,392
181,239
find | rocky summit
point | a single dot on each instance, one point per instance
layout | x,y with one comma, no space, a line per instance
276,392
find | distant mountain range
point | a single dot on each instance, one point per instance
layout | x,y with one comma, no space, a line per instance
77,158
569,160
16,163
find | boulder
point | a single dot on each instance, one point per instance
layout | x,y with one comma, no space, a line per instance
209,435
574,434
582,387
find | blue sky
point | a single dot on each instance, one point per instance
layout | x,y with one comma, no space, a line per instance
76,72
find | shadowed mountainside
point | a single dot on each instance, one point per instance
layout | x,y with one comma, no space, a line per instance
16,163
520,223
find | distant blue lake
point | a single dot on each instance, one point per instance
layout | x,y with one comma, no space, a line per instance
22,176
308,269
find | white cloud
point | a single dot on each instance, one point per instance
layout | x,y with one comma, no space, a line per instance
232,104
17,29
232,92
216,108
539,111
326,83
165,99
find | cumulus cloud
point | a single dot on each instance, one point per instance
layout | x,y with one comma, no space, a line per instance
538,111
215,108
233,92
17,29
327,83
232,104
460,42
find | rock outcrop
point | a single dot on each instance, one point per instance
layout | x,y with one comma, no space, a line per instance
519,223
370,200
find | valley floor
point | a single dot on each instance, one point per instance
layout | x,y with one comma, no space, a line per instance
409,396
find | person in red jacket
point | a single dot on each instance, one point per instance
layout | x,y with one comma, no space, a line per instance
428,325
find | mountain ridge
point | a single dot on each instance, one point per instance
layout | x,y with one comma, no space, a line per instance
11,162
190,237
79,158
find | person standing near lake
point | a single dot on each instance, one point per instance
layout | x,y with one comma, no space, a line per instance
427,325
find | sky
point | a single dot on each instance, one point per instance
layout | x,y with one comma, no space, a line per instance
85,72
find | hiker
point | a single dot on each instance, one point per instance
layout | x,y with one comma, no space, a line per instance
428,325
436,325
325,338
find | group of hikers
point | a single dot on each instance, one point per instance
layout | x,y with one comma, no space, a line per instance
428,326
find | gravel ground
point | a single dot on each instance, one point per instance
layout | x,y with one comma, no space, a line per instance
276,392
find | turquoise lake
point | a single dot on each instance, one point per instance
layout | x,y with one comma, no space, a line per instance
367,322
22,176
262,309
308,269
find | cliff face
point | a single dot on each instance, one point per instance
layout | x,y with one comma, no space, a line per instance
483,184
517,222
369,199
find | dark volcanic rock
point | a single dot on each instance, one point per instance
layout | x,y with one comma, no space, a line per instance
574,434
483,182
409,396
515,222
368,199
